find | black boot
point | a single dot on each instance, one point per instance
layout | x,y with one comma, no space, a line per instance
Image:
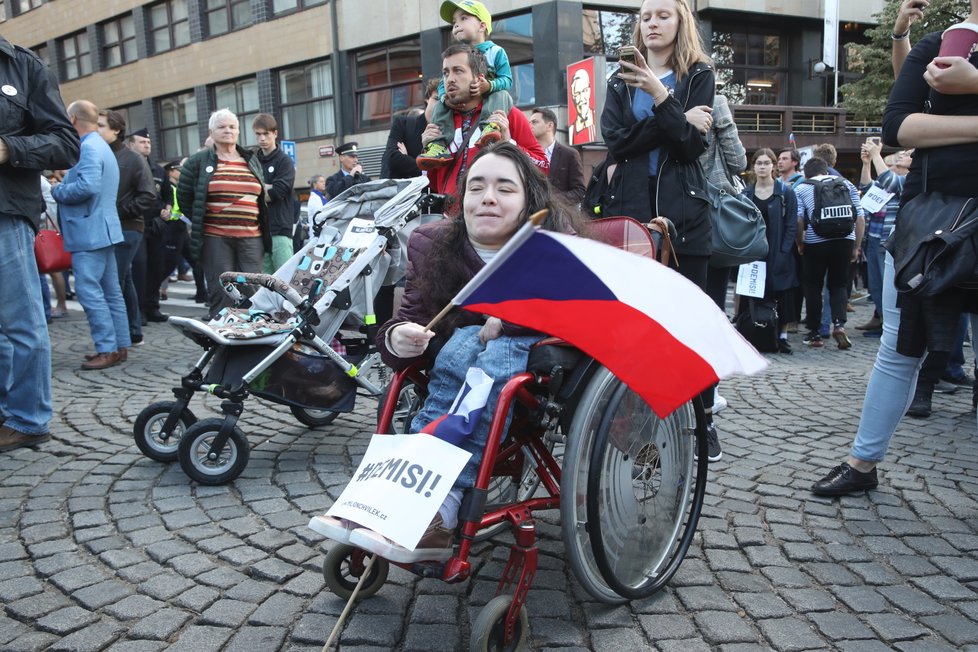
920,406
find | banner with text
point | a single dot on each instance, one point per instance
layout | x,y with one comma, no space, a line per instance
751,279
400,484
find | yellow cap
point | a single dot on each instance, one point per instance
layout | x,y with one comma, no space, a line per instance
473,7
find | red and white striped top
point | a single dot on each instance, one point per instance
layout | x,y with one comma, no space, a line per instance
232,202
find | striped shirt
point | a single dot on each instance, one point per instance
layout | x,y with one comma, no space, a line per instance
882,226
806,206
232,202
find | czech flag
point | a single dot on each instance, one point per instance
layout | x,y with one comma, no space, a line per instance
654,329
461,420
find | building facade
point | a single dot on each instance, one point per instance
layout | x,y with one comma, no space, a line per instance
337,70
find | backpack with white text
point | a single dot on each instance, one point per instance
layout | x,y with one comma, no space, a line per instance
835,214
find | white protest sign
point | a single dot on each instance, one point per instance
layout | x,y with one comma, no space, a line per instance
359,234
751,278
874,200
400,484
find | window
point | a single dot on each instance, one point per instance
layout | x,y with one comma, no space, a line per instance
227,15
515,35
75,56
388,80
178,122
605,32
750,69
42,53
242,98
134,116
282,6
169,25
119,41
306,93
23,6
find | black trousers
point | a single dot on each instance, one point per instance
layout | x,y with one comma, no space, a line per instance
832,258
163,249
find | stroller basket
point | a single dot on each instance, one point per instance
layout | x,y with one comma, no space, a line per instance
301,377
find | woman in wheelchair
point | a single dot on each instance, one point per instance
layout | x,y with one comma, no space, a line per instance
501,190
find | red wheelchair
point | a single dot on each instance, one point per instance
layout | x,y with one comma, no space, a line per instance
629,485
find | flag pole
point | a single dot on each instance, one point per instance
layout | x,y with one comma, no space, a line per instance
535,220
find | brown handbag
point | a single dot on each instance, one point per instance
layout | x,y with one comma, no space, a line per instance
49,250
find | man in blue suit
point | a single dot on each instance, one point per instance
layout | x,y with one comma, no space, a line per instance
90,226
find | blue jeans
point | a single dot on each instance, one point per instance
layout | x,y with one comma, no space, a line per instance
45,297
874,269
97,286
25,349
891,385
501,359
125,252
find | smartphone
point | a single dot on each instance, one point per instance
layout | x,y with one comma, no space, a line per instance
627,53
874,139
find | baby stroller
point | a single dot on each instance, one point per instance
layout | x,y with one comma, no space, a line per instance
283,343
629,485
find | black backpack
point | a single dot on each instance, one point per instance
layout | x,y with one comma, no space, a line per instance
835,214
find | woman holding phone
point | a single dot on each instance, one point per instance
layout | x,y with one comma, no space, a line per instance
934,108
655,118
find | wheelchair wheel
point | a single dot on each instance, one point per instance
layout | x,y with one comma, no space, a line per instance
195,459
313,418
152,439
409,402
630,491
343,567
488,630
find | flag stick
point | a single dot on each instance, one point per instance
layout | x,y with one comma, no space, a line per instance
349,603
535,220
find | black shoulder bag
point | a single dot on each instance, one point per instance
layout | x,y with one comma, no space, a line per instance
935,243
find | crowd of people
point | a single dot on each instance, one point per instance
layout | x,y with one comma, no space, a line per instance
130,223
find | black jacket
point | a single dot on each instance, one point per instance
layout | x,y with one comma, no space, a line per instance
35,128
280,176
340,182
137,190
681,194
404,129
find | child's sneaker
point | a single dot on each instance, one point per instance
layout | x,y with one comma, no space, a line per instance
435,544
490,134
434,156
337,529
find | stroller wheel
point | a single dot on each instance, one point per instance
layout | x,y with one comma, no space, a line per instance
313,418
489,629
343,567
150,433
223,466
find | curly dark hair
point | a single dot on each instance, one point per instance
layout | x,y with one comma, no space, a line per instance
446,274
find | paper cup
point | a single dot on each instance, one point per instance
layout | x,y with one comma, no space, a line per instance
959,40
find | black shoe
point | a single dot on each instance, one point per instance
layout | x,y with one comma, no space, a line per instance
157,316
964,380
919,407
843,480
784,346
713,452
199,299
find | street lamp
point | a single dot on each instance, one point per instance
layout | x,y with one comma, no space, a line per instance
819,68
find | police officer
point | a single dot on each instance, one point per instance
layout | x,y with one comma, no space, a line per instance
351,172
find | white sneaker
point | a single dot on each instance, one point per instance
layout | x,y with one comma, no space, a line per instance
337,529
719,403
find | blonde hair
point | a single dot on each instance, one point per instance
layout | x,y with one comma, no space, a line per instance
688,50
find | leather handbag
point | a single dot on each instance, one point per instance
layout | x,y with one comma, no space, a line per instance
739,231
49,250
935,244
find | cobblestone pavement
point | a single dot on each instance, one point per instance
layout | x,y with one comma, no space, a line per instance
103,549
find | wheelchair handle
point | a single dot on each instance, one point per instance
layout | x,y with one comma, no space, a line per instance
264,280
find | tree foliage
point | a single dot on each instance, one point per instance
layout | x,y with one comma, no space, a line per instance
867,97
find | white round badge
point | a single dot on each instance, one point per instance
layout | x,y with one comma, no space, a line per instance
7,89
209,168
271,168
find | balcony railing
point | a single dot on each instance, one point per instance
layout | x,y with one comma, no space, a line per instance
771,126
